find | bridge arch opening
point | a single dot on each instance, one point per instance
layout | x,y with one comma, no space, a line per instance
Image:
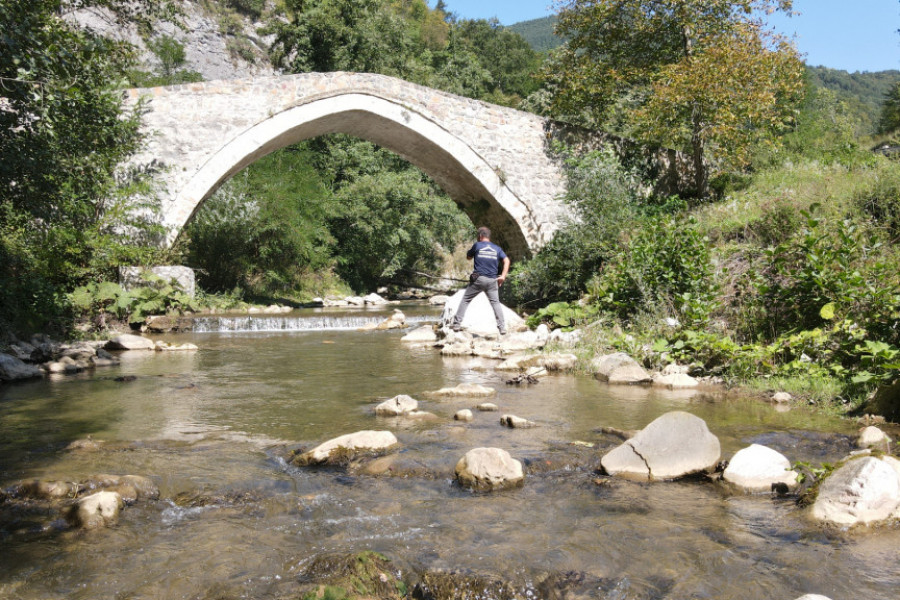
477,188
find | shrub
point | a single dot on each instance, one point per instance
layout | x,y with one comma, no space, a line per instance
667,264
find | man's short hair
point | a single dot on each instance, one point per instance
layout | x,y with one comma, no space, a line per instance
484,232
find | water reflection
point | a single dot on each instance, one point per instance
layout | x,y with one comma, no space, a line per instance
210,426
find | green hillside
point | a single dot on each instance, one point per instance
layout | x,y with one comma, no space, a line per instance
862,92
538,33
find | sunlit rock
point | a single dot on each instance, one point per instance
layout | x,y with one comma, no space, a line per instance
756,468
162,346
130,487
423,335
97,510
619,368
464,415
672,446
438,300
514,422
465,389
872,437
130,342
397,406
347,447
675,381
396,321
488,407
863,490
374,299
489,469
479,317
781,397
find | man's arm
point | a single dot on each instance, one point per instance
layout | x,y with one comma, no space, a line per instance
502,277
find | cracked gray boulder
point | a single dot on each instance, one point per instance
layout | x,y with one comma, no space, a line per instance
674,445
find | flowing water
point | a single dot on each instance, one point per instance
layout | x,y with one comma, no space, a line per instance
215,425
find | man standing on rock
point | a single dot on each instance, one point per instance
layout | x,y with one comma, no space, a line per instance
487,277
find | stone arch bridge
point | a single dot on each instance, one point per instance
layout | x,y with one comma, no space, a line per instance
492,161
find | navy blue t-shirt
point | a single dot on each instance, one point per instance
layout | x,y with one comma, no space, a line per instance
488,258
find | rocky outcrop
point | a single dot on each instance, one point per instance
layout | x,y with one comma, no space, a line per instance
863,490
619,368
551,362
489,469
757,468
397,406
672,446
347,447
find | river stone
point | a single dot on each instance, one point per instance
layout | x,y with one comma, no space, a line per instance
488,407
872,437
781,397
813,597
619,368
143,487
464,415
353,443
97,510
863,490
565,338
13,369
355,300
674,445
395,321
162,346
130,342
424,334
756,468
675,381
489,469
47,490
521,340
473,390
514,422
458,349
396,406
438,300
374,299
479,316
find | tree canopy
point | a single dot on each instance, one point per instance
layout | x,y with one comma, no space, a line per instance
702,75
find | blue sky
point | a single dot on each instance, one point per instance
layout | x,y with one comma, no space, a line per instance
855,35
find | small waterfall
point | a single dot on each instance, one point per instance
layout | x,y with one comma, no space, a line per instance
263,323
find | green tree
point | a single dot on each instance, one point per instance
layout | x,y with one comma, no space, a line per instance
890,112
63,133
709,77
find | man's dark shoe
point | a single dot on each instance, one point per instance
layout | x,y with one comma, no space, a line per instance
456,327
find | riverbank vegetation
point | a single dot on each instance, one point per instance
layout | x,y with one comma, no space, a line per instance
780,270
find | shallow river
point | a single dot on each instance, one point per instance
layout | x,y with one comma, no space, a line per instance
215,424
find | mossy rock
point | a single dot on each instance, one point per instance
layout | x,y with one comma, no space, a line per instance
351,577
460,586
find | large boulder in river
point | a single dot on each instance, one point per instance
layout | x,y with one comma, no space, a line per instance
130,342
13,369
863,490
489,469
674,445
97,510
479,317
756,468
347,447
619,368
397,406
